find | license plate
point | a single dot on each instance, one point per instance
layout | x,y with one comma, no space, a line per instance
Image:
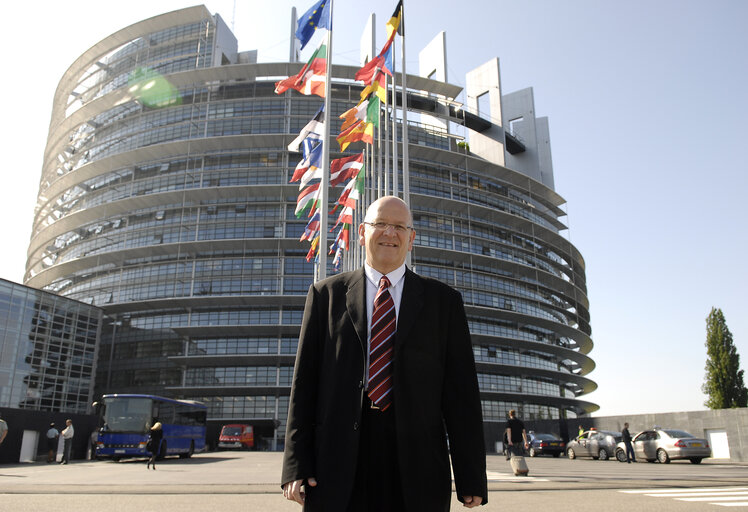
554,444
119,451
696,445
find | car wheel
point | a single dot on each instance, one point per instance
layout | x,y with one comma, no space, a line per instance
602,454
663,457
621,455
570,453
533,453
695,460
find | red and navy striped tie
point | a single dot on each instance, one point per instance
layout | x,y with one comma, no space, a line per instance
383,323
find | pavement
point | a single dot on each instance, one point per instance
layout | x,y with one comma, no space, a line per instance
250,481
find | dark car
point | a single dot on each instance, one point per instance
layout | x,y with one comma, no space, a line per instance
545,444
598,444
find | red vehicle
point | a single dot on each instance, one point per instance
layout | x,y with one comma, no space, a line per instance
237,436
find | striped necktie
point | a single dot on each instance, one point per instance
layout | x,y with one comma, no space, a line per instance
383,324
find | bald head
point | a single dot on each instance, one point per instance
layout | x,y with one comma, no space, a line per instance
387,233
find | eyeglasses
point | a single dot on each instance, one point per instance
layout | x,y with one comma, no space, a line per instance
382,226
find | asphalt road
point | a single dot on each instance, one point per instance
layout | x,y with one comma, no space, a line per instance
229,481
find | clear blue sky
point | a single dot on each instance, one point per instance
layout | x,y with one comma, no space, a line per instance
647,105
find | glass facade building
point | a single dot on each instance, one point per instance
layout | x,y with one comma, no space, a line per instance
165,201
48,348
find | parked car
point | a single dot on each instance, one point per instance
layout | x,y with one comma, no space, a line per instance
545,444
238,436
666,444
598,444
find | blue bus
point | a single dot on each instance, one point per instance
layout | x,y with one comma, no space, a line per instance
126,419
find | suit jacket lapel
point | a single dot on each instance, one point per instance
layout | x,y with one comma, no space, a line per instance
355,299
411,303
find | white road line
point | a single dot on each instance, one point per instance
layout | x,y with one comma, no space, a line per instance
495,476
720,496
685,489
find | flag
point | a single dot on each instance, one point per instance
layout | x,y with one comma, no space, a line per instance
312,150
342,169
308,197
359,131
351,193
336,260
311,78
350,116
314,129
377,87
393,25
313,248
318,16
311,229
380,63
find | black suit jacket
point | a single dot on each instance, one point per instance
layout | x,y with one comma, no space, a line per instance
435,395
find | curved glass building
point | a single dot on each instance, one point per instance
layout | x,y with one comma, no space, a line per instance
165,201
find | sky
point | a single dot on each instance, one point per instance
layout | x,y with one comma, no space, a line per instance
647,106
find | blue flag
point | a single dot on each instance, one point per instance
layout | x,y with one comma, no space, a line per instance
318,16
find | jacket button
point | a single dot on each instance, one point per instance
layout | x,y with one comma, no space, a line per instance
355,425
360,384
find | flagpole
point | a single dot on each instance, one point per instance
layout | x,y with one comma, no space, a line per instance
386,145
324,184
395,184
406,166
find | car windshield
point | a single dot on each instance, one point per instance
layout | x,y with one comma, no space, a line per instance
545,437
231,431
678,434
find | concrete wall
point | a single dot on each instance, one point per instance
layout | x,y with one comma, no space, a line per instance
698,423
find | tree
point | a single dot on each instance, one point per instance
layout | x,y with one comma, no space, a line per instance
723,383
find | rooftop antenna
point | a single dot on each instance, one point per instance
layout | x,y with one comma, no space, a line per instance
233,16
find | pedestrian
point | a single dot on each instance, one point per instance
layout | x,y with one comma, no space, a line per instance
155,435
516,435
53,436
384,374
626,438
3,430
580,432
67,438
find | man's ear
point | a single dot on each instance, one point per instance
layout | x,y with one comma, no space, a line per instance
361,237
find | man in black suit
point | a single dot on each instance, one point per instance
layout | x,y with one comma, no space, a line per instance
367,431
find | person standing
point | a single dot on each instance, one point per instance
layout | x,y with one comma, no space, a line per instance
155,435
384,374
626,438
516,434
53,436
67,438
3,430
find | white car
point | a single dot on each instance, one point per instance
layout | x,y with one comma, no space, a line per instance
666,444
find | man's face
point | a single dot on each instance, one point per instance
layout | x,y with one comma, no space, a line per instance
386,248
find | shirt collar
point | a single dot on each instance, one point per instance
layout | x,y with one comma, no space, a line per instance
374,275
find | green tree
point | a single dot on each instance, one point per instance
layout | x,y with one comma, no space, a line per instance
723,383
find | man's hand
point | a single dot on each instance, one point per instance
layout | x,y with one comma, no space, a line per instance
292,490
472,501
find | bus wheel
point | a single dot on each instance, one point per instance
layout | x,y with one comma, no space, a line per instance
189,453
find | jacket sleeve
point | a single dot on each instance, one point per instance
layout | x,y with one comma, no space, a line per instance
298,456
462,409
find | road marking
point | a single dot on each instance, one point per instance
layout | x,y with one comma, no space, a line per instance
495,476
720,496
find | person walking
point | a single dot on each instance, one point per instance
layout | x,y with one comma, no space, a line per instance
516,435
67,438
155,435
53,437
384,375
626,438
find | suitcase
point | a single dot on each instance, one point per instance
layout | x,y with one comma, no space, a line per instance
519,466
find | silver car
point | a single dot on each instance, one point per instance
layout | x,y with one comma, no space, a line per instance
598,444
666,444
